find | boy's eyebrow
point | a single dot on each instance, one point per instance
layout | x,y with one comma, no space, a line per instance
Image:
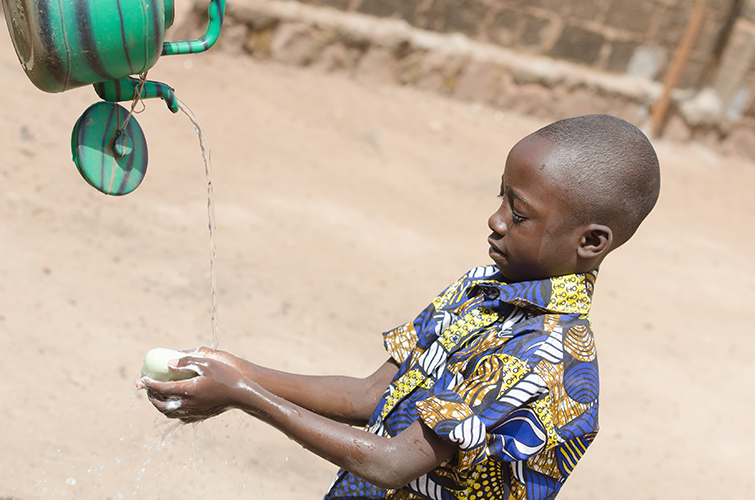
519,197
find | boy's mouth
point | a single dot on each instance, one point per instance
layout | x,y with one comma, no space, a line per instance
494,250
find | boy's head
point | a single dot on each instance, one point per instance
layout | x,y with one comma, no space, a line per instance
572,192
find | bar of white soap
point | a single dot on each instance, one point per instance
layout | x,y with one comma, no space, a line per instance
155,365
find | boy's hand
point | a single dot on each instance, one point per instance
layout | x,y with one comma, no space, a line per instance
211,393
222,356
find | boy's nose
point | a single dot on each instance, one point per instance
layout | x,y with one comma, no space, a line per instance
497,224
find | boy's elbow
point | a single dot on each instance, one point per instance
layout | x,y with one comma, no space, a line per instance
413,452
392,481
393,476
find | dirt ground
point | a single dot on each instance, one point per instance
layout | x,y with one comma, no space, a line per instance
342,208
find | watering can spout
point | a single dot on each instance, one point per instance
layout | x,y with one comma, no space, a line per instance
127,89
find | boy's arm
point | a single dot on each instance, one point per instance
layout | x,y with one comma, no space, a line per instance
344,399
384,462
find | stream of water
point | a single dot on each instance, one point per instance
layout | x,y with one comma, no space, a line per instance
204,146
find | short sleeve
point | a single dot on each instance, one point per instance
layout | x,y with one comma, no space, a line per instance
400,342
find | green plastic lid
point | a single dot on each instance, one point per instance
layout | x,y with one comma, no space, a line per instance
113,162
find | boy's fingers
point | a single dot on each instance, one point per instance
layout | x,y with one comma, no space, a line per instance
178,364
163,389
188,364
186,360
167,407
195,350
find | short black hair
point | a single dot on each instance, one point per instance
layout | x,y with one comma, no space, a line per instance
610,169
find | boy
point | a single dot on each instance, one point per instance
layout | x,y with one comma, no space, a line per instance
492,391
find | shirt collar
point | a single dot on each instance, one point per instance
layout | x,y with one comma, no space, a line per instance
567,294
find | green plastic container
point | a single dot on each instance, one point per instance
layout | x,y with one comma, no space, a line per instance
64,44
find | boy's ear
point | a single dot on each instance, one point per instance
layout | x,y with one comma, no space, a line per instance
596,241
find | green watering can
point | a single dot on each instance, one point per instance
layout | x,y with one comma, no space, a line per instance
65,44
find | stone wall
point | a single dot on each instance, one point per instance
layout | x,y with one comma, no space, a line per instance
626,36
386,48
734,79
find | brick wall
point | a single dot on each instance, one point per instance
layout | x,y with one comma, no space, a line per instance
625,36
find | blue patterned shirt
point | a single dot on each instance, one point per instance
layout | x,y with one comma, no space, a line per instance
508,373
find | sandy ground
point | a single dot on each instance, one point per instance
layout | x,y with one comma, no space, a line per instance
342,209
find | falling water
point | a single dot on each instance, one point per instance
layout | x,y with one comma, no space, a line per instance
204,146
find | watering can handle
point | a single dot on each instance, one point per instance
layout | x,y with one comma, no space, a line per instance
215,12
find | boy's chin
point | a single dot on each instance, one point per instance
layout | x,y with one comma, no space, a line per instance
515,275
503,268
506,278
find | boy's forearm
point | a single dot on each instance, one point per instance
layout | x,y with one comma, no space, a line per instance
384,462
345,399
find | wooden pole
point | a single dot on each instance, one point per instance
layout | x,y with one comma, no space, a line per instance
676,68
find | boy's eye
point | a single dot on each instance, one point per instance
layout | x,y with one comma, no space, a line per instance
516,218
